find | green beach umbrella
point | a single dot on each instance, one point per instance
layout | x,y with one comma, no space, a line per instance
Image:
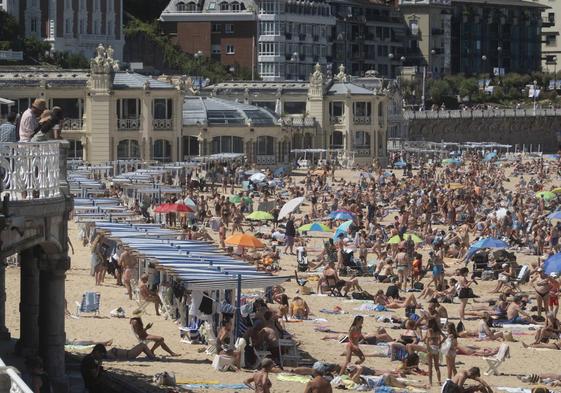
396,239
546,195
314,227
259,215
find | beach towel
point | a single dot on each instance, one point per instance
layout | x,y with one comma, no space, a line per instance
514,390
197,382
371,307
218,386
336,310
294,378
74,347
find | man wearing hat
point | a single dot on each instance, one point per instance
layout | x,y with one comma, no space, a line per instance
30,120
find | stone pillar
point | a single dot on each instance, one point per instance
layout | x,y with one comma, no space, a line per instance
29,304
52,336
4,332
201,147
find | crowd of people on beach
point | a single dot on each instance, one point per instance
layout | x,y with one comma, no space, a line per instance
408,244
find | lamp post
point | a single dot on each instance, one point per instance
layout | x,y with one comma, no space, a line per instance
232,69
390,56
198,57
484,68
294,59
499,58
554,66
534,95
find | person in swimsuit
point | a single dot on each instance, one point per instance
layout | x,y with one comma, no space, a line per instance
299,308
355,336
551,329
141,333
433,340
223,342
451,344
541,286
128,264
260,379
130,354
514,312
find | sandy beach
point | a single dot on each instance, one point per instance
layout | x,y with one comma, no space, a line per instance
194,367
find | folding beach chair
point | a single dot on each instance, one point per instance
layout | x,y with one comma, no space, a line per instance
495,361
89,304
333,287
288,352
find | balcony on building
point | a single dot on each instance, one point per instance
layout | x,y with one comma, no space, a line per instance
362,113
336,112
361,144
128,114
549,20
163,114
73,109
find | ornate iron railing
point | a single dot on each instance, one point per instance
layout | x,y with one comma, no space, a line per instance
336,119
362,119
478,113
31,170
73,124
163,124
129,124
362,151
17,384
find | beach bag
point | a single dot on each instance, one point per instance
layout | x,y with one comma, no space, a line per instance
222,362
165,379
419,285
460,327
250,357
392,291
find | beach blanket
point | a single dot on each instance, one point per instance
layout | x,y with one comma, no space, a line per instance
217,386
196,382
336,310
90,302
371,307
74,347
294,378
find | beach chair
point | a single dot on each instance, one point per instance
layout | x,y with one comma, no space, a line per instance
289,354
333,287
164,293
495,361
89,304
301,259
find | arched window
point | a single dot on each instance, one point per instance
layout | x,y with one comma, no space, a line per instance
162,150
337,140
224,6
75,150
191,6
265,146
128,149
235,6
227,144
181,6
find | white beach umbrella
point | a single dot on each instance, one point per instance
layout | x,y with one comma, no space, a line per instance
289,207
258,177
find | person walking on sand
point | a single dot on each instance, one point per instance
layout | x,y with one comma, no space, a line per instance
352,348
128,264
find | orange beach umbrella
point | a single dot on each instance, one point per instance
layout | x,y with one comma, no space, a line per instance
244,240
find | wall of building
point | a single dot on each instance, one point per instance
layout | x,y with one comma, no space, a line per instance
543,131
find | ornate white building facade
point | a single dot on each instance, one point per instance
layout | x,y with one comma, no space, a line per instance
111,114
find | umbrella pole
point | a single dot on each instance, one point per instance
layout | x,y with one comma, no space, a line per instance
238,306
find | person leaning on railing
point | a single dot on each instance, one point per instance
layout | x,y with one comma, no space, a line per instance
50,125
8,129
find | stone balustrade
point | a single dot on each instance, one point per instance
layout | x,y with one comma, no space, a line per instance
32,170
480,114
162,124
73,124
17,384
362,120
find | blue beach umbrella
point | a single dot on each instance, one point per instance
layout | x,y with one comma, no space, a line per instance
554,216
552,264
490,156
488,242
341,215
344,227
399,164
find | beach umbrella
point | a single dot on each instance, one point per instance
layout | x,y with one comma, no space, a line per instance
164,208
399,164
290,206
490,156
454,186
339,232
314,227
552,264
191,203
257,177
551,156
546,195
318,172
488,242
556,190
180,208
244,240
554,216
237,199
499,214
342,215
451,161
344,227
259,215
396,239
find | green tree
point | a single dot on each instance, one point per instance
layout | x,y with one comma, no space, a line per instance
468,87
439,89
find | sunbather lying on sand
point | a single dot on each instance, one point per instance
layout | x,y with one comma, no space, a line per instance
130,354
